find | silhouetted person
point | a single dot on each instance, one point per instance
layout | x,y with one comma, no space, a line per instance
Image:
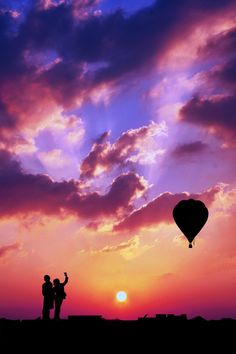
48,297
59,295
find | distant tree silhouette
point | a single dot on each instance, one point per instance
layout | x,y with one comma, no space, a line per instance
48,296
59,295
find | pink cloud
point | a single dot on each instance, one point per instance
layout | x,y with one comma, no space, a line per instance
27,104
160,209
128,147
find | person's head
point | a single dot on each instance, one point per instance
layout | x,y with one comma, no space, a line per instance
46,277
56,281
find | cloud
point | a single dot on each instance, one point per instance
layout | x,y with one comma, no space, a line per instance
54,159
4,250
25,106
224,75
184,150
160,209
56,57
221,47
213,107
11,61
82,9
129,249
216,114
63,52
6,119
130,146
222,44
132,243
23,193
123,190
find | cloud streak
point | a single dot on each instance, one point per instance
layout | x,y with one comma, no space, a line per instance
4,250
132,243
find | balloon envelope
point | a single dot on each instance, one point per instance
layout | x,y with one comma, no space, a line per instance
190,216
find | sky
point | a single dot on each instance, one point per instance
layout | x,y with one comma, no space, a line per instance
111,112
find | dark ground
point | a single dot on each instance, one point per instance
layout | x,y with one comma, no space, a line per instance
87,334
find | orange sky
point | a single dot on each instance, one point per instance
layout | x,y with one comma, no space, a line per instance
154,266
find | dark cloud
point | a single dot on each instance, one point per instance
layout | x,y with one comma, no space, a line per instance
102,138
160,210
222,44
123,191
65,81
23,193
187,149
11,62
6,119
216,113
225,75
46,28
124,43
90,49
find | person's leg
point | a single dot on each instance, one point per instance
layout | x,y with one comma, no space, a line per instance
58,303
59,310
46,312
43,313
56,311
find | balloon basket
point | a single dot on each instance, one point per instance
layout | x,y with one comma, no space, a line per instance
190,246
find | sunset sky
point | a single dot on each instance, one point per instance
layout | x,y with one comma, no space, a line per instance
111,112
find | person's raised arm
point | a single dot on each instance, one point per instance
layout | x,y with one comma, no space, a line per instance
66,279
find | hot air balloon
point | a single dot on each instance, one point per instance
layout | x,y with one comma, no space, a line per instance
190,216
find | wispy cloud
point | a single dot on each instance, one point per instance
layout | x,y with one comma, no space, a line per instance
4,250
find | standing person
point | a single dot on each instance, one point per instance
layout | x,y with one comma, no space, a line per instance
59,295
47,297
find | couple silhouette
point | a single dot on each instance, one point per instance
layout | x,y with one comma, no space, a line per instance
53,295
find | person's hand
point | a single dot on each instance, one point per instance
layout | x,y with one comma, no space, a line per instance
65,274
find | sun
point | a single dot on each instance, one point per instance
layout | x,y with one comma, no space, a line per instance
121,296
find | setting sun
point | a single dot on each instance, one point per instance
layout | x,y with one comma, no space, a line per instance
121,296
